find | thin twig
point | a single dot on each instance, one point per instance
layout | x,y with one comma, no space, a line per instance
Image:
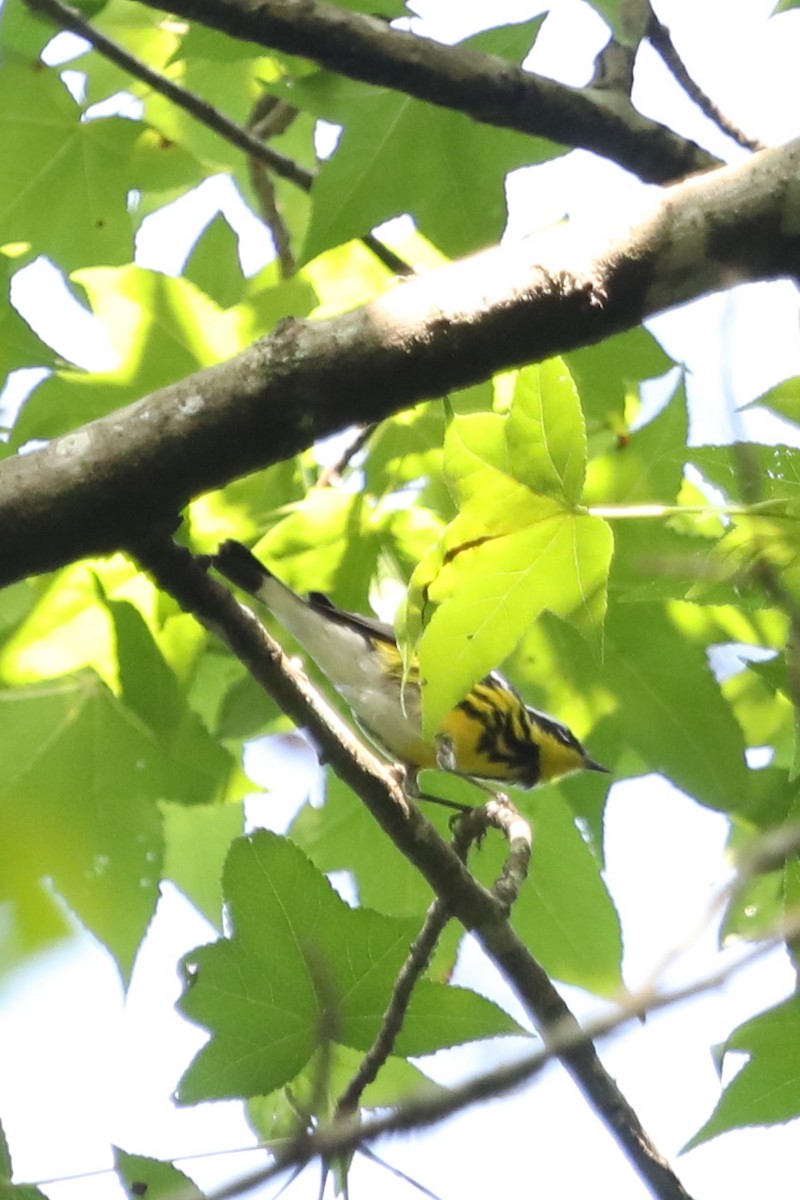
270,117
69,18
662,42
415,964
500,813
332,473
468,829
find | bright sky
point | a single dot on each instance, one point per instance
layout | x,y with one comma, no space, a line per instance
93,1070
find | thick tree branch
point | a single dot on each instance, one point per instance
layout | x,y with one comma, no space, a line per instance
101,486
482,86
175,570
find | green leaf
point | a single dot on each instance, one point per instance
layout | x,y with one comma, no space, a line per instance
646,466
32,918
628,20
161,329
517,547
443,1015
276,1116
341,835
564,912
392,146
232,86
213,266
545,432
774,471
328,543
79,805
492,591
607,373
5,1157
19,345
784,6
766,1091
159,165
23,34
196,768
783,399
301,966
142,32
670,708
20,1191
49,151
196,842
152,1179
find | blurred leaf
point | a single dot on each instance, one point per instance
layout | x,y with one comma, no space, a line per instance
277,1116
79,806
783,399
153,1180
196,767
564,912
143,32
161,329
213,265
159,165
327,543
19,345
646,466
606,373
670,708
23,34
233,86
196,843
738,470
341,836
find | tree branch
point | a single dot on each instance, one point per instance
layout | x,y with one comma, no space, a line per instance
178,573
661,40
470,827
482,86
111,481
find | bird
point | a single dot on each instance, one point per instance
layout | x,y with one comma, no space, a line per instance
491,735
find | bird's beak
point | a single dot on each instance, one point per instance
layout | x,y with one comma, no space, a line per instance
589,764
